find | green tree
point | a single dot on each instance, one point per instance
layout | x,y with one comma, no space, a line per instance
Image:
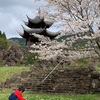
4,44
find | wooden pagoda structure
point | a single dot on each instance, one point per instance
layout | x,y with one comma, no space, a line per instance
37,26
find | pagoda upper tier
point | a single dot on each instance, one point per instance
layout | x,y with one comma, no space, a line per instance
37,26
38,22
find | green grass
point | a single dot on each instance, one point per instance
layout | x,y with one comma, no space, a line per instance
61,97
33,96
7,72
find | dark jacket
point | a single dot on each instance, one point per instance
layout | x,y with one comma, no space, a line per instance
16,95
13,97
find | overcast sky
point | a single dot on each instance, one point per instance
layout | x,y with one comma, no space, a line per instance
12,12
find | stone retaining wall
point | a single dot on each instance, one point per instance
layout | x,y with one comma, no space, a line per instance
62,80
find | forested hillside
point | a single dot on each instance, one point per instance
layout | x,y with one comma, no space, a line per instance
21,41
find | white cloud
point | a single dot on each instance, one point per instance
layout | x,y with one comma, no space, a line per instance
12,12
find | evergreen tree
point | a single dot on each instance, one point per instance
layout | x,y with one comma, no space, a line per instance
3,41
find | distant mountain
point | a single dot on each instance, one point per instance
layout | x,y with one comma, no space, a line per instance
78,42
21,41
64,37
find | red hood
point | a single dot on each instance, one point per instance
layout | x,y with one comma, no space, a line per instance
19,94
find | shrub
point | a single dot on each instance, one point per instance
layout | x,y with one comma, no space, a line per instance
31,58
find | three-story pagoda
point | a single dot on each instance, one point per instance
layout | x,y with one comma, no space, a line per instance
37,27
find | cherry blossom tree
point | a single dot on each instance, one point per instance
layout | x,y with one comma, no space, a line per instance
77,16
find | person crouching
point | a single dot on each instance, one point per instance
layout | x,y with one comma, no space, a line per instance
17,94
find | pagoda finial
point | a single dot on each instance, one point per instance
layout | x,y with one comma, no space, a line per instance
39,12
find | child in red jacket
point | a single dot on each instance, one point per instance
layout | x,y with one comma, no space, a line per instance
17,94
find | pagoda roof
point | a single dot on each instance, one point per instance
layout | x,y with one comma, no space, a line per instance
33,30
48,23
46,32
51,33
38,21
27,36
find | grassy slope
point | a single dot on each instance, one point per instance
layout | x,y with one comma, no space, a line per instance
7,72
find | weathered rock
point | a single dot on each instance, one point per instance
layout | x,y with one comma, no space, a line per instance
12,56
